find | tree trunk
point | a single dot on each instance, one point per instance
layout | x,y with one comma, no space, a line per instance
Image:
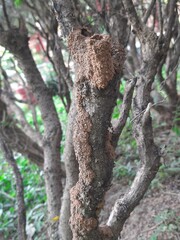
17,43
96,93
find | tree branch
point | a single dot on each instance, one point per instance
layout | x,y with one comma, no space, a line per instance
65,16
19,187
171,19
148,12
5,14
142,126
124,113
160,18
72,171
20,142
132,14
21,118
17,43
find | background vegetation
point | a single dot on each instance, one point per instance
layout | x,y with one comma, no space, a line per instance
165,223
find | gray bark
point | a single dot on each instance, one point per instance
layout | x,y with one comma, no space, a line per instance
19,187
67,21
124,111
65,81
14,109
17,43
96,93
142,125
72,171
118,18
65,16
20,142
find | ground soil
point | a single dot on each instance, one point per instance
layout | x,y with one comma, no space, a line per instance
157,217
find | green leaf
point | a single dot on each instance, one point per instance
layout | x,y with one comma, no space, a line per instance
153,237
18,2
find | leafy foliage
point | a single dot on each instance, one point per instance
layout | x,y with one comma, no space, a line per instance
166,222
34,193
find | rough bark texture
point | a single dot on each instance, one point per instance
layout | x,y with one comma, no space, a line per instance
142,125
72,171
117,18
65,16
17,43
96,92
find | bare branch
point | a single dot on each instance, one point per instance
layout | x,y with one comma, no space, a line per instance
72,171
132,14
29,5
160,18
52,128
91,5
19,187
142,126
171,20
148,12
150,162
21,118
124,113
5,14
21,143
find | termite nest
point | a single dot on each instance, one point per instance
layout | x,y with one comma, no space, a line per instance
96,57
97,60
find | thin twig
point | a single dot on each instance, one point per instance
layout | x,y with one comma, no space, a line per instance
142,112
125,108
4,52
152,228
172,193
91,5
35,28
5,14
131,11
171,18
148,12
29,5
160,18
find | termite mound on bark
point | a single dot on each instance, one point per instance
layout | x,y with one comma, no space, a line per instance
96,57
97,63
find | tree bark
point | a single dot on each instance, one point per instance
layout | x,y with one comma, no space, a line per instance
96,93
72,171
20,142
17,43
98,64
19,187
149,153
